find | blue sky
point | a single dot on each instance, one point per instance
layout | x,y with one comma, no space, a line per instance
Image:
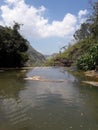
56,9
47,24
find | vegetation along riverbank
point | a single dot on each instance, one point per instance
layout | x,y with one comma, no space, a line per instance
84,52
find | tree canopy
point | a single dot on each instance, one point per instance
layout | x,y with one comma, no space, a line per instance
13,47
89,60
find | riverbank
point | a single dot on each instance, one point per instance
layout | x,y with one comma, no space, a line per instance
94,75
91,76
91,73
22,68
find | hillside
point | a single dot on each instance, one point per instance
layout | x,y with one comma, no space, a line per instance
71,55
35,58
84,53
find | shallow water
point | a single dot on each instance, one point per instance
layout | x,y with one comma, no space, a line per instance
37,105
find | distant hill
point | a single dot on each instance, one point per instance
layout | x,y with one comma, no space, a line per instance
35,57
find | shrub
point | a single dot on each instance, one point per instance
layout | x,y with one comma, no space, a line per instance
89,60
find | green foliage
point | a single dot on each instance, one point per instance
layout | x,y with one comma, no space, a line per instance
85,62
83,32
13,47
50,61
89,60
70,54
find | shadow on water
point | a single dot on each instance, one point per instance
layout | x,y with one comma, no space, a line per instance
11,82
34,105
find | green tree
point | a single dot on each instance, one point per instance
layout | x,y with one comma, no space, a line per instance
94,20
13,47
89,60
83,32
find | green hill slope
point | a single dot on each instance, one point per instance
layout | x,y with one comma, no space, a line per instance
35,58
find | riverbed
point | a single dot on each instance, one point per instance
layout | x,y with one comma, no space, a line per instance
57,100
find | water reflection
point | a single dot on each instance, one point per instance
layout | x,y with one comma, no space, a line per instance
33,105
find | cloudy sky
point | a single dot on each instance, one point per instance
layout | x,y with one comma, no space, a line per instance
47,24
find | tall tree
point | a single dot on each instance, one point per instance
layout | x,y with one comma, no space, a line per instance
90,27
13,47
94,20
83,32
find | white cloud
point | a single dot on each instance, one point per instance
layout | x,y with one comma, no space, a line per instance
58,28
81,15
35,24
12,1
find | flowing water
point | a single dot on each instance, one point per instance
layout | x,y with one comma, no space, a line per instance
60,102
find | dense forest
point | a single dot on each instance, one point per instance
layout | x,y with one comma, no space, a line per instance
15,50
13,47
84,53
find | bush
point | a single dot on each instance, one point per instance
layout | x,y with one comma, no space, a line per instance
89,60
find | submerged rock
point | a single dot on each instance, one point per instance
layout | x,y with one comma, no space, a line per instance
33,78
39,78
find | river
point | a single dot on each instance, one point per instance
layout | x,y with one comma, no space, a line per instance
59,101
